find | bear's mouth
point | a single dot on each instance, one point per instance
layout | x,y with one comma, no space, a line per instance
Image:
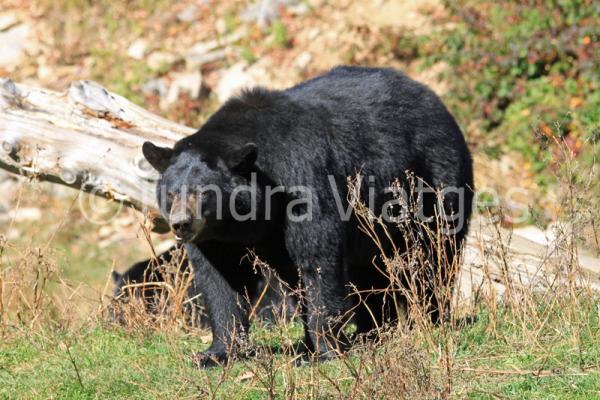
185,238
193,233
181,238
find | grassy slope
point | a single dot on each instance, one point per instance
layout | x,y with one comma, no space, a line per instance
116,363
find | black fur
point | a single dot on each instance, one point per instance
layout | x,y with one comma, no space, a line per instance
273,300
377,121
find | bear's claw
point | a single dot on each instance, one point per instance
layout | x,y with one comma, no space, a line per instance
209,359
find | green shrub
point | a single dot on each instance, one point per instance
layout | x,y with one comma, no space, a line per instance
525,74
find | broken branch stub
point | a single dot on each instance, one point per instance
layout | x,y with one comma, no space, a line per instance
86,138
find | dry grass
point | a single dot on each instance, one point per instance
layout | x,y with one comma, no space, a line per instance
513,337
160,302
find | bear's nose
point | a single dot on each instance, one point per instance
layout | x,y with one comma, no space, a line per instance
182,226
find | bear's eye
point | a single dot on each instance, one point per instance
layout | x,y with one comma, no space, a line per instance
170,195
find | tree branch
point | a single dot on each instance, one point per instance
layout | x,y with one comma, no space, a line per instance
86,138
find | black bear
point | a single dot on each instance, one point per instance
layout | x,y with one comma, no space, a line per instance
274,301
268,172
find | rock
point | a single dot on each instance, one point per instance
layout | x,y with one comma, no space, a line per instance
194,61
233,81
302,61
190,82
44,72
263,12
212,50
221,26
534,234
157,87
160,59
409,14
105,231
313,33
137,49
12,44
188,14
241,76
301,8
204,47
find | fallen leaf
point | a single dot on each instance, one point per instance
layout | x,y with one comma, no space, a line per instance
575,102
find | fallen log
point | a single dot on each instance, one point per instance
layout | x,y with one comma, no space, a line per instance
86,138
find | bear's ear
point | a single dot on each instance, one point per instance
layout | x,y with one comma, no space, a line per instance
158,157
242,159
115,276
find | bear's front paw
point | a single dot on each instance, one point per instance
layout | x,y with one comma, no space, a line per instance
208,359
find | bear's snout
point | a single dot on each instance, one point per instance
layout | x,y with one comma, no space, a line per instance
181,227
182,219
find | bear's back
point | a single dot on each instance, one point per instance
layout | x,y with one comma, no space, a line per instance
377,119
379,116
357,87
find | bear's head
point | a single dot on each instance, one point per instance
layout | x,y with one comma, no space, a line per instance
202,192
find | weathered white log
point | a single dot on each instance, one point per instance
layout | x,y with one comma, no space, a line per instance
86,138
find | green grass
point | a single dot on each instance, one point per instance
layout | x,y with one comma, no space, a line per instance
281,37
555,353
113,362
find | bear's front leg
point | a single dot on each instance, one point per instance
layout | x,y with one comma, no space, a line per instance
324,307
225,307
